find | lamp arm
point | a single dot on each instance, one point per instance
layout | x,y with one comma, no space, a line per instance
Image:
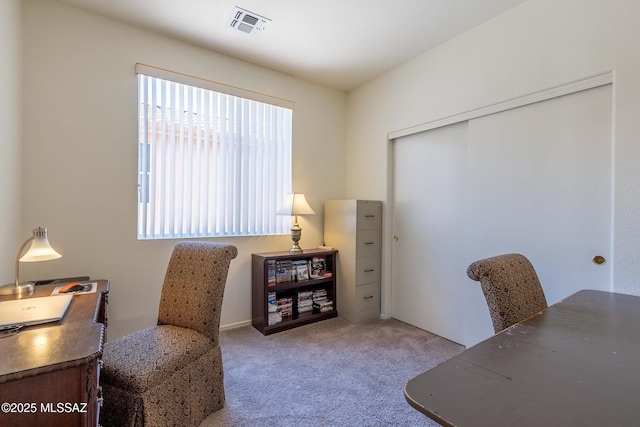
26,242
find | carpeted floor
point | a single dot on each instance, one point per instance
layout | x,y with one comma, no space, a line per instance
330,373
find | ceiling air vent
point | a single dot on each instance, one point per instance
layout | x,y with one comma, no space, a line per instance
247,22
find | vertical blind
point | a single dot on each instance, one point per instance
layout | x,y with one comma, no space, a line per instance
210,163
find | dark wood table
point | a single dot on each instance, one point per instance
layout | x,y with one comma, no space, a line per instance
575,364
49,373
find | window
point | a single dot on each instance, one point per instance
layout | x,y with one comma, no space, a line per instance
210,163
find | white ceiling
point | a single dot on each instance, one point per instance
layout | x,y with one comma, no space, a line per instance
337,43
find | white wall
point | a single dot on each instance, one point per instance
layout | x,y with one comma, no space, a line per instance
80,154
535,46
10,136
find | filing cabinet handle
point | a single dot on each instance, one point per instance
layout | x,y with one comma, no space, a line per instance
369,243
369,270
369,216
368,297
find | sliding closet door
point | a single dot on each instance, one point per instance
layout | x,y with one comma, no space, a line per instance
428,218
534,180
542,186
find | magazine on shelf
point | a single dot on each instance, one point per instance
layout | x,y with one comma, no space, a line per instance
323,306
318,267
301,270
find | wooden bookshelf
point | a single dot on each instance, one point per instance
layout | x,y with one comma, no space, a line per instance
273,284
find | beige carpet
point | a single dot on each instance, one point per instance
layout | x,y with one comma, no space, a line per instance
330,373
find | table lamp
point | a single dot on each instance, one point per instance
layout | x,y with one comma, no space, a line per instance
40,250
295,204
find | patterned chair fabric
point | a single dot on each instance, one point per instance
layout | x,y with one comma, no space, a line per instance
511,288
171,374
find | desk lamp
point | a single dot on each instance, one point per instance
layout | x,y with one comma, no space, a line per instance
295,204
40,250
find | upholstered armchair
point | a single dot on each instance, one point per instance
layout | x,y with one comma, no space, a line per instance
171,374
511,288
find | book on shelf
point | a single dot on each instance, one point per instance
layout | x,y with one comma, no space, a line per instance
305,302
285,306
283,271
271,272
319,294
274,316
321,301
305,294
305,310
323,306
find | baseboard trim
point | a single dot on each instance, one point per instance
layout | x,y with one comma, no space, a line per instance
235,325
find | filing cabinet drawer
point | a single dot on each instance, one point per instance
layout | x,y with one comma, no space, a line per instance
367,270
369,216
368,243
368,297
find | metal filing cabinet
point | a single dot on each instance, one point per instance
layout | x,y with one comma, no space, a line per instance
354,228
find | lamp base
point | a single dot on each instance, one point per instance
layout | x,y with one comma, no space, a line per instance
12,289
295,249
296,233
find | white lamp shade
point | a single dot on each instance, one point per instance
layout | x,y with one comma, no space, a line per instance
296,204
40,249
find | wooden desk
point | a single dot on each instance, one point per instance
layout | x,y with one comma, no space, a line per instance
49,372
575,364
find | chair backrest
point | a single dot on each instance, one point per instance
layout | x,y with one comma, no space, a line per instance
511,288
194,285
